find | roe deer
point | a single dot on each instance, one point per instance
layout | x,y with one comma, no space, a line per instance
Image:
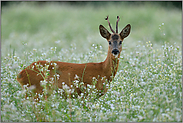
103,71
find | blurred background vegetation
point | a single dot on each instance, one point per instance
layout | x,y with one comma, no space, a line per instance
176,4
28,25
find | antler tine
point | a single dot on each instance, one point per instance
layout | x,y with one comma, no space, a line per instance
117,24
109,24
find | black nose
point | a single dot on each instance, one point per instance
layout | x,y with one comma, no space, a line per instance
115,51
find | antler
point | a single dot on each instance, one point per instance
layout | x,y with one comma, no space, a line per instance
117,24
109,24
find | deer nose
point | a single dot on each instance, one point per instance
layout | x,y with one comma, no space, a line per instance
115,51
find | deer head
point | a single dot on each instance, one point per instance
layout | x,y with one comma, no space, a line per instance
115,40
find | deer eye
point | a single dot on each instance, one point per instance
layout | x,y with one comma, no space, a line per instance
109,43
120,42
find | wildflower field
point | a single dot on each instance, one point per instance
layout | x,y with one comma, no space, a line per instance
147,86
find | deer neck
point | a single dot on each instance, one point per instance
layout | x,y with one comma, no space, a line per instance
110,65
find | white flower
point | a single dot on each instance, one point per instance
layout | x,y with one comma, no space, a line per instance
76,76
32,87
66,87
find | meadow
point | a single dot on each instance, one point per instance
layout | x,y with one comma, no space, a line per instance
147,86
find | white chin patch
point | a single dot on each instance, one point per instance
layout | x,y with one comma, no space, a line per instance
116,56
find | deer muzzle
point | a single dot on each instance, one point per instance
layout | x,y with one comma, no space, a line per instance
115,51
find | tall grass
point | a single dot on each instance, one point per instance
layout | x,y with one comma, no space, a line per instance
147,86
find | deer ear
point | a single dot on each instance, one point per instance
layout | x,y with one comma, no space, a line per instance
104,32
125,32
